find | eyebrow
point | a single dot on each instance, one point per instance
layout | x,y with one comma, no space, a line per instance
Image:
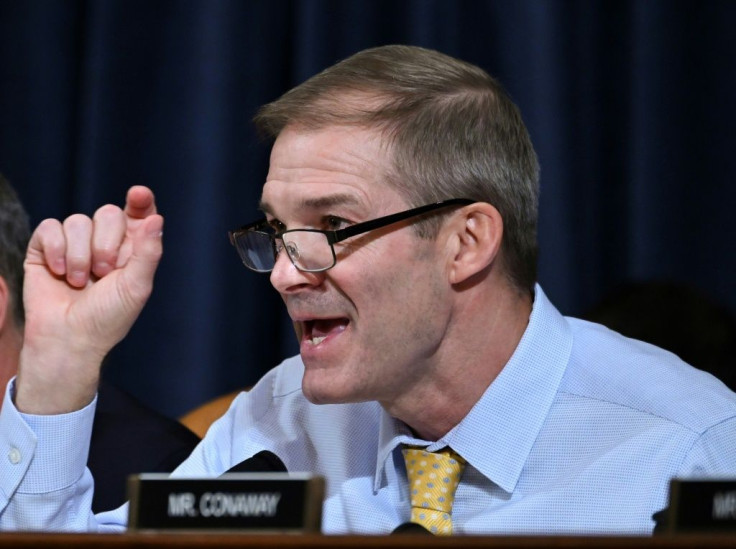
319,202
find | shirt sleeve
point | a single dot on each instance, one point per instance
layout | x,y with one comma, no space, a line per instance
714,453
44,481
46,486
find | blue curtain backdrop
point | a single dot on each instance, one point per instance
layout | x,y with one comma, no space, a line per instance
631,107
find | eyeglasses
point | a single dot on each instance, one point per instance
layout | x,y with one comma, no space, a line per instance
311,250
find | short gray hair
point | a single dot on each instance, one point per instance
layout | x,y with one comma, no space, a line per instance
453,130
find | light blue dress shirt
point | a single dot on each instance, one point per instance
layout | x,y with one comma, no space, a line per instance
579,434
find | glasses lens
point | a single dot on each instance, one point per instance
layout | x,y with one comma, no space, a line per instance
256,250
309,250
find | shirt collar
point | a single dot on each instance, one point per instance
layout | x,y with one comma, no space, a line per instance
499,431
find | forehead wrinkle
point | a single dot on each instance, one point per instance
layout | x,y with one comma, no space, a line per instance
328,201
318,202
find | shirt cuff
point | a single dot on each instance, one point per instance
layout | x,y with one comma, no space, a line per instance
40,454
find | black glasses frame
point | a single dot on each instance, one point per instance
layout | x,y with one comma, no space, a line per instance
335,236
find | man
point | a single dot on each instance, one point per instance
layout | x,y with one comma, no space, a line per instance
127,437
423,329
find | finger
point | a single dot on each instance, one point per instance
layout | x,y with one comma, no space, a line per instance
140,202
78,233
109,229
147,247
48,246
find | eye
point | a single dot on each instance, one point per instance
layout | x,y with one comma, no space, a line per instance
334,223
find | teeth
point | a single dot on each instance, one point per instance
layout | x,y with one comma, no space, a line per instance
317,340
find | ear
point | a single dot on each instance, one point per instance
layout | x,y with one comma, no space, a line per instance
476,240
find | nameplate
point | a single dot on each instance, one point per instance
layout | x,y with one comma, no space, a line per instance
702,505
258,502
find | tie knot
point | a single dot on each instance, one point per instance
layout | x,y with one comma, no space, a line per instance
433,479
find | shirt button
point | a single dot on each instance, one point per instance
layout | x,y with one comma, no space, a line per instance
14,456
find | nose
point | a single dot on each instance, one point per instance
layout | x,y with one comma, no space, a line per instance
286,278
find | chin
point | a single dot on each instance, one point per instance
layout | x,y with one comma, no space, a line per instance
319,393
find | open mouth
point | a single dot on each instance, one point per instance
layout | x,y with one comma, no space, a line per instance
317,330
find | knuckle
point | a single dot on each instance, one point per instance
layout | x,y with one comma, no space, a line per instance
106,244
48,224
107,211
49,234
76,222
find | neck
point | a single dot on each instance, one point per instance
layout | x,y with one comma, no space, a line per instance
483,334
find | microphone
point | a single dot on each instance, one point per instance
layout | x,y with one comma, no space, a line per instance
262,462
661,521
411,528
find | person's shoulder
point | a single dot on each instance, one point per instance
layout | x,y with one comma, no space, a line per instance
119,412
280,386
607,366
288,376
280,381
279,391
129,437
276,407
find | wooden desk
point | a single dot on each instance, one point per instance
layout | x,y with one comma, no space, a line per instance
268,541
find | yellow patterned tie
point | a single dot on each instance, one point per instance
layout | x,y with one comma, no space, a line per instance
433,479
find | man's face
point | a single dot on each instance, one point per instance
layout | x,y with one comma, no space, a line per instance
371,326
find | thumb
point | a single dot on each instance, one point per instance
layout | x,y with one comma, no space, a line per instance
147,248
